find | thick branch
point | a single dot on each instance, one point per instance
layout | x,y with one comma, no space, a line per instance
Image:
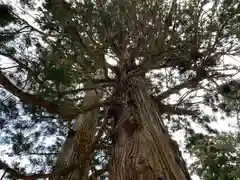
97,85
65,112
190,83
25,97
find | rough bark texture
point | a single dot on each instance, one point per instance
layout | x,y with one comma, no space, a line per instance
143,148
75,147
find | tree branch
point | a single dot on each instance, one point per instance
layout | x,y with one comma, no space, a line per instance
42,154
25,97
30,26
18,175
24,66
3,175
97,84
65,171
191,82
171,109
64,111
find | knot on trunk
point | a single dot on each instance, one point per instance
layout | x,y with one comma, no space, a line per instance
141,164
130,126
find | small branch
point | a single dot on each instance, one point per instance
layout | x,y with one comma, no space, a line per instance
98,57
95,86
186,94
30,26
42,154
24,66
4,68
18,175
3,175
169,109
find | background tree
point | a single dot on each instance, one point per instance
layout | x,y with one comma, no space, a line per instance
161,62
218,156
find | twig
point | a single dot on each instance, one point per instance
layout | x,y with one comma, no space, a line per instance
3,175
4,68
33,28
18,175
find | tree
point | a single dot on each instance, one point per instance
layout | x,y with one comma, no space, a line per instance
218,156
160,49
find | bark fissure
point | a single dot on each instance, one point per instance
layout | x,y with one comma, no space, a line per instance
144,149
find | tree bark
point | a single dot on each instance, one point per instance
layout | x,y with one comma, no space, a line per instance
75,147
143,148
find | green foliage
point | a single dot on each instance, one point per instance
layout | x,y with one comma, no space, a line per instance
218,156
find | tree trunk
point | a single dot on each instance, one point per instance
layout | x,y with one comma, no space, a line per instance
74,148
143,148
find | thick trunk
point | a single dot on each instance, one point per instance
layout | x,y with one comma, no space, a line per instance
74,149
143,148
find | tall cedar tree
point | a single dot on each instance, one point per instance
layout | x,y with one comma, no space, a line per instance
115,78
